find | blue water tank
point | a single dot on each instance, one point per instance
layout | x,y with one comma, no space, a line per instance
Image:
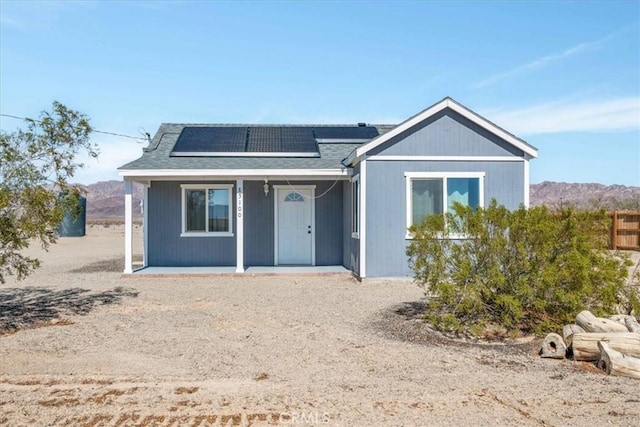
72,225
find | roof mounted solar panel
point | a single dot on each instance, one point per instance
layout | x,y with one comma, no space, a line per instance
345,133
281,139
196,140
250,141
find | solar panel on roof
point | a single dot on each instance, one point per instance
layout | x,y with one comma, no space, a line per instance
345,132
280,139
194,139
246,141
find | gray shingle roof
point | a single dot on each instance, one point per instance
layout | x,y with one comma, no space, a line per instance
158,154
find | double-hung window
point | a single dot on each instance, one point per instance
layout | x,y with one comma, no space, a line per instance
355,206
434,193
207,210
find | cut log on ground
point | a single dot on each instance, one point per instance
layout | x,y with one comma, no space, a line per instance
632,324
553,347
590,323
628,321
585,345
568,331
615,363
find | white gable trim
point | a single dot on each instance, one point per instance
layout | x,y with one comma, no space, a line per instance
359,152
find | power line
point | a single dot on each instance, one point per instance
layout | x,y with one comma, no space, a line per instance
93,130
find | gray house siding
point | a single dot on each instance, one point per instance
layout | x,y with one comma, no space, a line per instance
258,225
328,223
167,248
447,134
386,205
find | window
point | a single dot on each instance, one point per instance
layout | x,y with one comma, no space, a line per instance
206,210
294,197
434,193
355,206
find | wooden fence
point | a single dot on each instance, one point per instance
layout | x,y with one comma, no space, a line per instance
625,230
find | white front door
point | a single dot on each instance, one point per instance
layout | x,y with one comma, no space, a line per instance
294,225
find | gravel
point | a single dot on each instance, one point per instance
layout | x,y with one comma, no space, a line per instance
81,345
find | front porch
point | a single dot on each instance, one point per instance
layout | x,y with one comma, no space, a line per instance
323,270
270,225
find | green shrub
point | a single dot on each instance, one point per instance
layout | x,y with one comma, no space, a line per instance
528,270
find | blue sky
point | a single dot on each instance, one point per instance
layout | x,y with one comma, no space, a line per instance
564,76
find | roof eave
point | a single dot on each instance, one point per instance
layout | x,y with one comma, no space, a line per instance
204,173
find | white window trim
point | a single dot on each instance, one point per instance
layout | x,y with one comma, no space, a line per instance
439,175
184,232
355,234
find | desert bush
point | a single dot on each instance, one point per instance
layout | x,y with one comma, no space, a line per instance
528,270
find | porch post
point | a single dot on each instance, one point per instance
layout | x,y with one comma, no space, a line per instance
362,231
145,227
526,182
128,227
239,227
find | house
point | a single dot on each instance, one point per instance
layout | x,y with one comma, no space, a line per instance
317,195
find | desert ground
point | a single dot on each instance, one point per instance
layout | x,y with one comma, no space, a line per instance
82,345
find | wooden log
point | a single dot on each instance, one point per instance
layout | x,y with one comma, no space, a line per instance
585,345
553,347
628,321
568,331
590,323
632,324
615,363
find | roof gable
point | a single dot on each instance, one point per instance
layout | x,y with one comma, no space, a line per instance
359,152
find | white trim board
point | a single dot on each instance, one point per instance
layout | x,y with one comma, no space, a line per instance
145,227
239,226
526,184
235,173
389,158
362,233
361,151
128,227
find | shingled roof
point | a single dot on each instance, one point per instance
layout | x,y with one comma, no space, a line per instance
261,149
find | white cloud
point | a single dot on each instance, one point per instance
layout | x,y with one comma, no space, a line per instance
572,116
549,59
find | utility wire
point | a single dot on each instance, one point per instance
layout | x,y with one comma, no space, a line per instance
94,130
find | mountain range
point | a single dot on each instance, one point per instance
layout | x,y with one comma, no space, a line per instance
105,199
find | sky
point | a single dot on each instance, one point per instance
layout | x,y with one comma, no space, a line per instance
563,76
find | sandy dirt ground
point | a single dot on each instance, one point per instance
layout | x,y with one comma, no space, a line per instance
82,345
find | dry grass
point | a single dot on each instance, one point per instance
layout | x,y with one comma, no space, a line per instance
186,390
261,377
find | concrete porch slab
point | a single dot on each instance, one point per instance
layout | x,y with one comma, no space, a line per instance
231,271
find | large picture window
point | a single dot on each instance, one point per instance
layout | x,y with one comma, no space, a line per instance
434,193
206,210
